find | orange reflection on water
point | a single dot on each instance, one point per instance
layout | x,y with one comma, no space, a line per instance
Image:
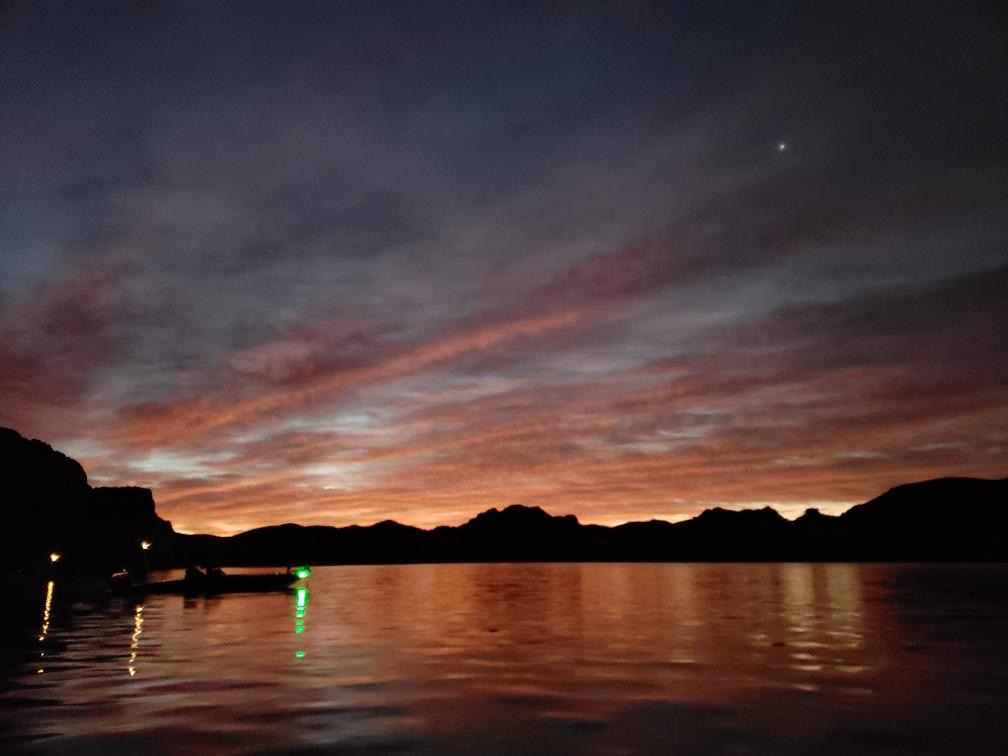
598,657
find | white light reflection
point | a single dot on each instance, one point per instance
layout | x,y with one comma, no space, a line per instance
46,613
135,639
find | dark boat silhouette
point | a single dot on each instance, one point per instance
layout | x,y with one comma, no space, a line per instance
214,583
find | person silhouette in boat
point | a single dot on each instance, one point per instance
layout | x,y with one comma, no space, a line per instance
195,575
201,574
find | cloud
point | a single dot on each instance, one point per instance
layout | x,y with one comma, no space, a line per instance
334,265
53,343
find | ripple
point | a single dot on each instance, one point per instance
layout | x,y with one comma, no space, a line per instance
705,658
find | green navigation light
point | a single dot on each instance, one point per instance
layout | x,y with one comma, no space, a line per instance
302,572
299,654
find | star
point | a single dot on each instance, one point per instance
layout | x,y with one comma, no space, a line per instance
781,146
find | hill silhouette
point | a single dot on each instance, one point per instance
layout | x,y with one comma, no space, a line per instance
48,505
947,519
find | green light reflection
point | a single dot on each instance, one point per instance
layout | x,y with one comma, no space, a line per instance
300,609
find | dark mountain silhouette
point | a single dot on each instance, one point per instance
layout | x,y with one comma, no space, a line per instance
49,506
46,505
948,519
959,518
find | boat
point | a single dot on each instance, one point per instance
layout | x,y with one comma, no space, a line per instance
213,582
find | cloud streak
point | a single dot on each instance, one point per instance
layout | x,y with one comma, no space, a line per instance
336,267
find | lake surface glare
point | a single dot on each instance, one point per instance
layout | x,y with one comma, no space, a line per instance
529,658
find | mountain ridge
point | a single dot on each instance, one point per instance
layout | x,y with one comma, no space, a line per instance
942,519
865,532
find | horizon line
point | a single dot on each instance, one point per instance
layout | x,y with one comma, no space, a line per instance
597,524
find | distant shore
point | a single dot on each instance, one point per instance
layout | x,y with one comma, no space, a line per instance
55,511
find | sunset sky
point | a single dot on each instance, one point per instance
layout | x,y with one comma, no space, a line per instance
334,263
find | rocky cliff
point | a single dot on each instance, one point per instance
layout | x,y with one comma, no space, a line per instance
47,506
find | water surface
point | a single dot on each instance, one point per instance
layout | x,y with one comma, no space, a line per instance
531,658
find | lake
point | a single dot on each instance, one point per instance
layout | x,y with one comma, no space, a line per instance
529,658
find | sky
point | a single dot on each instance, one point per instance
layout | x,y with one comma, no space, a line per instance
341,262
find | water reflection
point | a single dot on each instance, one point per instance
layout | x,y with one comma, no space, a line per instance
135,639
824,613
579,658
46,614
300,609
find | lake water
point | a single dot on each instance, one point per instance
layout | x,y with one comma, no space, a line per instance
529,658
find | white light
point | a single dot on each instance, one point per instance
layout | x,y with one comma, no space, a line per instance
781,146
54,557
145,545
